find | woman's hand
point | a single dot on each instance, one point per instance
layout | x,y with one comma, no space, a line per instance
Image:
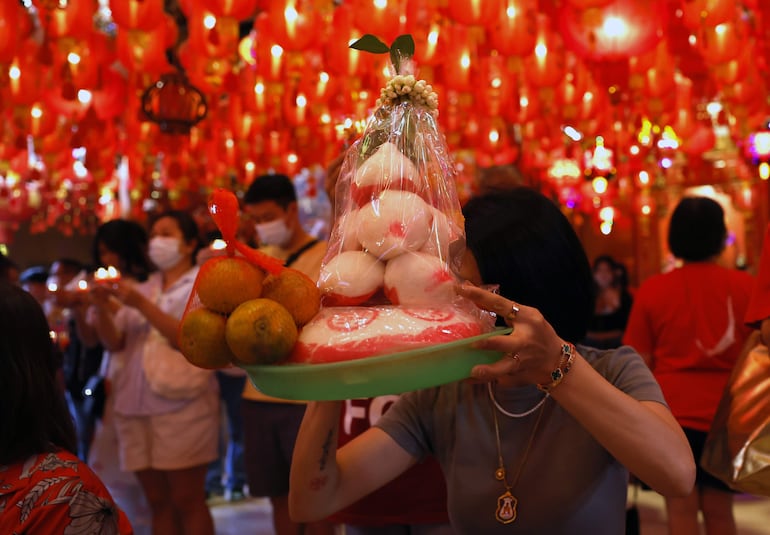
100,296
125,292
70,298
532,350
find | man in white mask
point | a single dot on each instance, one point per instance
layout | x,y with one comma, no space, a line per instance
271,424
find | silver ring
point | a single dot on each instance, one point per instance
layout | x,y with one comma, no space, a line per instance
511,316
515,358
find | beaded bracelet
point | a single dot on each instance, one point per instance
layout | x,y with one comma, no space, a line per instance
565,364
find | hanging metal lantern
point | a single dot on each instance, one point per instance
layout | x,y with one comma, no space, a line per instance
174,104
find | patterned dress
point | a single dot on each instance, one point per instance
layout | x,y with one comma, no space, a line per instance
56,493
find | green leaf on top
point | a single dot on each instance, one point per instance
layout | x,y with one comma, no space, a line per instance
370,43
401,48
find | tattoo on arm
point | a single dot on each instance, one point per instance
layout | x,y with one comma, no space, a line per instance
325,450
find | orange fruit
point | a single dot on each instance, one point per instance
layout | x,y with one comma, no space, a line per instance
295,291
260,331
202,339
224,282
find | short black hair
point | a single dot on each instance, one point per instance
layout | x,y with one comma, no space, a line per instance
523,242
272,187
69,265
127,239
697,230
604,259
37,274
33,412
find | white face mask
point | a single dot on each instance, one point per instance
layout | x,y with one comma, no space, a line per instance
164,252
274,233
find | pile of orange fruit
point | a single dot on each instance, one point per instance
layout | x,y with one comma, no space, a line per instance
246,316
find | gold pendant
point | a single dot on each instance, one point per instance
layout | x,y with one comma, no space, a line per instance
506,508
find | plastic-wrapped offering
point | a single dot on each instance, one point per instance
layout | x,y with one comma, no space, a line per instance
387,281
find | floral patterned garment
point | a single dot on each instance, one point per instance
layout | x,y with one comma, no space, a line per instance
57,494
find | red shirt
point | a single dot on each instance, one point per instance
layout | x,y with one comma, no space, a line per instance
56,493
418,496
690,321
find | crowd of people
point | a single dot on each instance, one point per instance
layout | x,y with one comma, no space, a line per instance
598,382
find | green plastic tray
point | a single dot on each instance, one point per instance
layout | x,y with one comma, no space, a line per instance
395,373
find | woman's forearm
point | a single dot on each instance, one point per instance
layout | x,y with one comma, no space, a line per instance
324,479
166,324
643,436
107,333
86,332
314,469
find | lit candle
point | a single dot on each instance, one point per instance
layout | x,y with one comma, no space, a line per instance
108,274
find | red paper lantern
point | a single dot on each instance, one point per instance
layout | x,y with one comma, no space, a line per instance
545,67
617,30
37,120
294,26
137,14
236,9
425,27
528,107
27,78
15,25
585,4
659,76
473,12
698,13
726,74
379,17
144,51
721,43
426,43
216,37
701,140
76,19
459,58
109,98
683,121
515,30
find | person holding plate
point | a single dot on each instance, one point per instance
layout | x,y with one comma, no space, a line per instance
540,441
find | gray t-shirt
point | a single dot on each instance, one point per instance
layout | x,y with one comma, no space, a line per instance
568,484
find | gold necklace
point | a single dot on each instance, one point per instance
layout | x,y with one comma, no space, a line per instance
507,502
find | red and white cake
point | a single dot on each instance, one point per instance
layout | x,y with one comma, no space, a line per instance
349,333
350,278
386,169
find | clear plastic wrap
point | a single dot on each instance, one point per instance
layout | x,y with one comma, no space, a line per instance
397,243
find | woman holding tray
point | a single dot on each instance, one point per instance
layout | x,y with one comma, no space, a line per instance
540,441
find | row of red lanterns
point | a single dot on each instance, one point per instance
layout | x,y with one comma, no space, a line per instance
495,64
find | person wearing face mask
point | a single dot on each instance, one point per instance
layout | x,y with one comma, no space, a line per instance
271,424
168,443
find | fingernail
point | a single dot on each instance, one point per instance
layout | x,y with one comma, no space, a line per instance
478,373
